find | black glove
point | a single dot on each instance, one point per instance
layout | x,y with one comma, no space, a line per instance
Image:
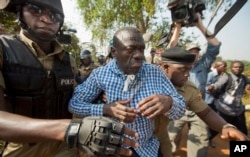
101,135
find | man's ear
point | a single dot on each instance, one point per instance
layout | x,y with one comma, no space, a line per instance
164,67
113,51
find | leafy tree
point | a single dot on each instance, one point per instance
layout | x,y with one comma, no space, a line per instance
8,23
104,17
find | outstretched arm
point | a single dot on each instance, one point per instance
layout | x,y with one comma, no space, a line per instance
18,128
211,40
175,37
214,121
81,133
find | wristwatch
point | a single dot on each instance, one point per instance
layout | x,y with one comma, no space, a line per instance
71,136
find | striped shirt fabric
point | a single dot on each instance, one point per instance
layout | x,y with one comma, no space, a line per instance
148,81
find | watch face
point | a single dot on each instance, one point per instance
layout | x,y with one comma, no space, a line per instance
74,127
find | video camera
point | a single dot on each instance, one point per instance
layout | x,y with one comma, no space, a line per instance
66,38
184,11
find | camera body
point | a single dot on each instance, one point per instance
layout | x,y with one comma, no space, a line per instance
184,11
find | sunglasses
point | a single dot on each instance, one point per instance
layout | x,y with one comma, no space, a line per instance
38,11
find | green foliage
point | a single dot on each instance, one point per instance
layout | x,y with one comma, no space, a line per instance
8,23
102,18
211,4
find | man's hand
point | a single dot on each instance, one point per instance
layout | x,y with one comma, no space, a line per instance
233,134
121,111
199,22
100,136
210,88
154,105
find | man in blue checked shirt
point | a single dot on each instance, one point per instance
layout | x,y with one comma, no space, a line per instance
136,92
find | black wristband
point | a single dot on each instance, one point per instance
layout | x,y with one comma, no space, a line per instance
71,136
209,36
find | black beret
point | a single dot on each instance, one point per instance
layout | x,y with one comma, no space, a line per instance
177,55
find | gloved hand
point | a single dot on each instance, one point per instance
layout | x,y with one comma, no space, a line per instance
101,135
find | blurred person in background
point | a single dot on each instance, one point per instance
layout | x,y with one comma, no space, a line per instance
86,66
217,70
229,104
101,60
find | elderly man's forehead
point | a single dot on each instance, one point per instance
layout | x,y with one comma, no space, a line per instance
129,35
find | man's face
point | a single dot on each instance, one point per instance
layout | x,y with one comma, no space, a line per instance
177,73
86,61
196,52
221,68
129,51
237,68
44,22
101,60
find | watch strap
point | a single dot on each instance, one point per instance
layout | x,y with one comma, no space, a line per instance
228,125
71,136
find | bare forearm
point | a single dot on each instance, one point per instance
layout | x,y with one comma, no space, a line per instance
175,37
212,119
212,40
17,128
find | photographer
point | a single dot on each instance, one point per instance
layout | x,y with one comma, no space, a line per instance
198,142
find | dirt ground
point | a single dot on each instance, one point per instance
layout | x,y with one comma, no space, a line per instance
221,149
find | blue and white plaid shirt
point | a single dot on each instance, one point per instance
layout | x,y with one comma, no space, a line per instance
148,81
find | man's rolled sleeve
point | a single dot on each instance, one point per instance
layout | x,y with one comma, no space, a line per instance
213,50
177,109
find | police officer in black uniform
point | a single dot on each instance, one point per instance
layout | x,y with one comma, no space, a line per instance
37,75
101,60
86,66
37,78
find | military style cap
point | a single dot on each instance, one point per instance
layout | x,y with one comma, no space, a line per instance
177,55
192,46
9,5
85,54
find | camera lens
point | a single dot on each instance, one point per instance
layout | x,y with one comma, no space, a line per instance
179,13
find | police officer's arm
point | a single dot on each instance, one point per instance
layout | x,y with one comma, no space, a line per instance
2,85
2,106
217,123
18,128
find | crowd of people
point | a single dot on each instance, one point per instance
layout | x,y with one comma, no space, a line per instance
122,105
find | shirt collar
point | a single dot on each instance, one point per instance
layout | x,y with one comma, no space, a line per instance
115,69
214,71
180,89
37,51
235,77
